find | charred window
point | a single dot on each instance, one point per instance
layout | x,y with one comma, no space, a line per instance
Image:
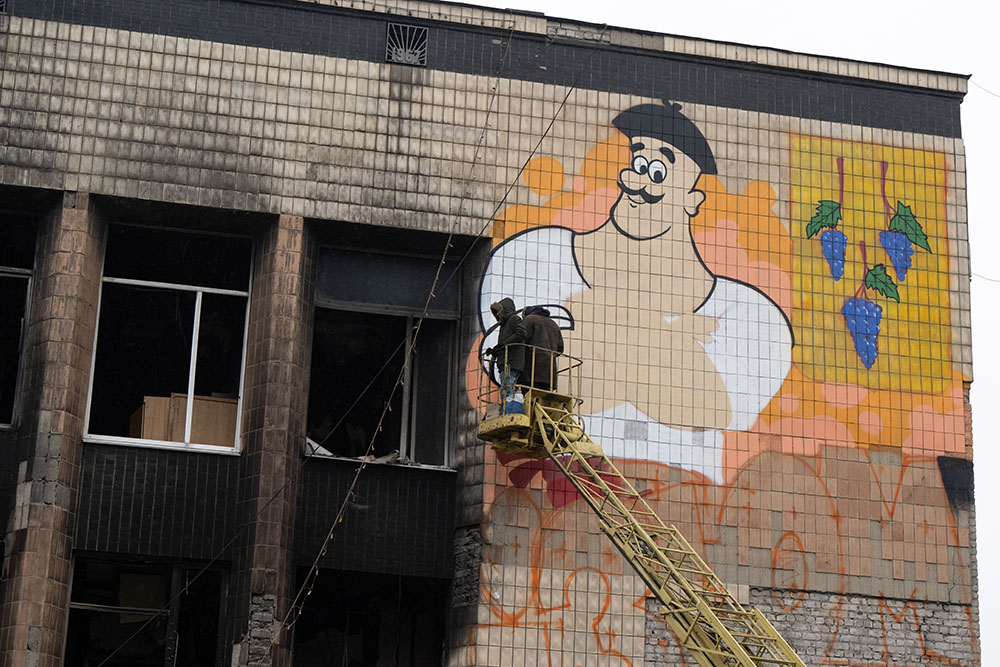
17,256
378,620
371,335
142,615
170,341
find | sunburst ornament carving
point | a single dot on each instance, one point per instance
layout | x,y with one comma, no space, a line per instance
406,44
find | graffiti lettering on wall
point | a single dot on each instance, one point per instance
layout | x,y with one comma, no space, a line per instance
556,592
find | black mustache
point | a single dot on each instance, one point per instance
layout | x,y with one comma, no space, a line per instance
646,197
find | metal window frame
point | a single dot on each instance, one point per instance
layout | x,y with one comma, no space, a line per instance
28,276
199,291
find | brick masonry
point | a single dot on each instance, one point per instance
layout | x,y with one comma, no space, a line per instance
273,433
39,542
868,631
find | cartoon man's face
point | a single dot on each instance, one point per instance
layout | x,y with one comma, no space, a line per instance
657,190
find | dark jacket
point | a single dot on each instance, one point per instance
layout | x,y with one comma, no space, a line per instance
544,335
510,344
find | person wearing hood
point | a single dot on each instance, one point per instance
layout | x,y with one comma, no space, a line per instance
509,350
543,337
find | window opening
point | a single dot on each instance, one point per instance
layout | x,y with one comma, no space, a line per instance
393,283
171,338
13,305
369,304
378,620
348,348
124,606
17,257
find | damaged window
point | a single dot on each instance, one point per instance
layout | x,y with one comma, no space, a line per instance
142,615
170,340
353,349
363,344
17,256
378,620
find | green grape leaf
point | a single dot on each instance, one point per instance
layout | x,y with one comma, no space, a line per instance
879,280
827,215
906,223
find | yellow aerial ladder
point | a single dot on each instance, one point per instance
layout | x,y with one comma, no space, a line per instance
710,622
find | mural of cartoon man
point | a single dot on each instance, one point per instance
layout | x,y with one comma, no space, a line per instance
674,355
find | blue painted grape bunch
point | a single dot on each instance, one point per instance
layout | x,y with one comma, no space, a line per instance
863,318
900,251
833,240
904,231
834,244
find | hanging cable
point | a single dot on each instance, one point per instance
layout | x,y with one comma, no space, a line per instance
983,88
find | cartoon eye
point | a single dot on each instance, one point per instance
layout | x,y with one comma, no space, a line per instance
640,164
657,171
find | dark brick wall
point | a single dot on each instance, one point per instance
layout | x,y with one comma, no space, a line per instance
8,467
156,502
352,34
399,521
274,432
162,503
54,368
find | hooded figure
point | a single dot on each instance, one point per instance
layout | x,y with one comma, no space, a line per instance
509,349
543,338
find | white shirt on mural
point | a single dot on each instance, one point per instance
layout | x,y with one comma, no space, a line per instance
751,349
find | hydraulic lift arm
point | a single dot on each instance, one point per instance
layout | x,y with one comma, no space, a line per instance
710,622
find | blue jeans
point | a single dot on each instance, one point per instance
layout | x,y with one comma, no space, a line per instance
510,378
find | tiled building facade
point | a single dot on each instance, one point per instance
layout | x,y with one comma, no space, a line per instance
249,245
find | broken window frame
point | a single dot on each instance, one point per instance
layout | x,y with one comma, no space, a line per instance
407,443
199,291
358,263
390,607
7,272
175,574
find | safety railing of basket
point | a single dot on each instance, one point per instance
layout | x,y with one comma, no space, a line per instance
544,370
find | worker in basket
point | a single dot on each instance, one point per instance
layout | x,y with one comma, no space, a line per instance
545,343
509,353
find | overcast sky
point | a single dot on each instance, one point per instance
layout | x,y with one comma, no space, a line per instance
958,37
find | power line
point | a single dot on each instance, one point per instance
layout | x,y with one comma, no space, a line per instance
987,278
983,88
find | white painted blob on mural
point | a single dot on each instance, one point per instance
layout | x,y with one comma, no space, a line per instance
673,354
